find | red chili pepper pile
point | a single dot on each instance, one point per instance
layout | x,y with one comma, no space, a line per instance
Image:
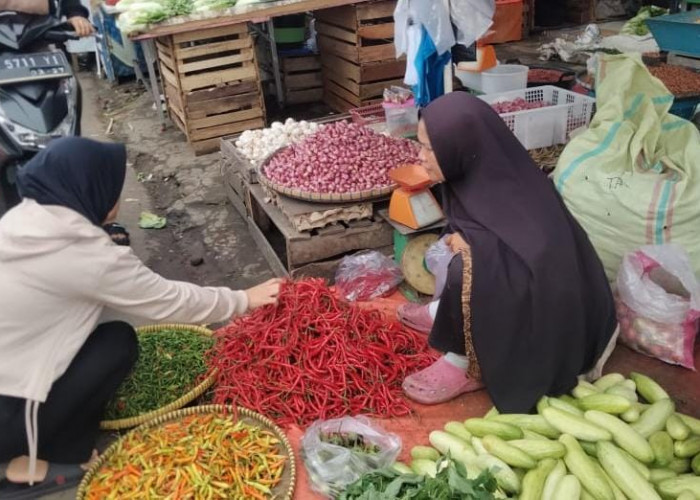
316,357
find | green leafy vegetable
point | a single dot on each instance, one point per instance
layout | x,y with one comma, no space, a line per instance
637,25
151,221
450,483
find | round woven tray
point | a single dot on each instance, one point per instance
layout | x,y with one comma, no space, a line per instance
194,393
370,194
284,490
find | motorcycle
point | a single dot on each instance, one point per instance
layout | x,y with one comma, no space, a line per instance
40,97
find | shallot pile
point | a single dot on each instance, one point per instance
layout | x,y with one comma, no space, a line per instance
257,145
341,158
314,356
518,104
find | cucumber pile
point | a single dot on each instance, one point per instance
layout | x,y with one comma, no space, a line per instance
614,439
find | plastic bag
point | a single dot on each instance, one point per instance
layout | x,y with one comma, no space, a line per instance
367,275
659,303
331,466
437,260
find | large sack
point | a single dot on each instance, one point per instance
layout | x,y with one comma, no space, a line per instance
633,178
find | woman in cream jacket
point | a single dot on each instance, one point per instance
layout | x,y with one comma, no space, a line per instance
60,275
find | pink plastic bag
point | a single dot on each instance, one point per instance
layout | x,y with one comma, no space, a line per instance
659,304
367,275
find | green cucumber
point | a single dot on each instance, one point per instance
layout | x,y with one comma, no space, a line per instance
648,388
662,444
584,468
654,418
481,427
533,482
623,435
623,473
511,455
553,478
676,428
577,426
427,452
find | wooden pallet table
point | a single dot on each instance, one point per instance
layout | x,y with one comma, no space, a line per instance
358,53
311,253
211,83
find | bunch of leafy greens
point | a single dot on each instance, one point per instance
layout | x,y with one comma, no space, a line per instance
136,15
209,5
451,483
637,25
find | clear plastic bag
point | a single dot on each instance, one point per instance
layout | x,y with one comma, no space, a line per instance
367,275
437,260
331,466
659,303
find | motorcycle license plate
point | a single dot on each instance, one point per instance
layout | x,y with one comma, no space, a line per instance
19,68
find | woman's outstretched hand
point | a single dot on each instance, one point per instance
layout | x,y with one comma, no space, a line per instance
456,243
263,294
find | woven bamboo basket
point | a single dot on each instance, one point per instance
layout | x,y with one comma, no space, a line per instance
284,490
194,393
355,196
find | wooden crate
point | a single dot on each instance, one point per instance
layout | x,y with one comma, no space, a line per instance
359,33
302,78
295,253
357,52
212,85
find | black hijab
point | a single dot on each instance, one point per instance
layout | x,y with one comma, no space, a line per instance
541,307
81,174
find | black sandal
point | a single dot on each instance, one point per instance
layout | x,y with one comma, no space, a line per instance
59,477
118,233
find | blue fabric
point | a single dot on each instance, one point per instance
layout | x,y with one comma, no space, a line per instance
431,70
83,175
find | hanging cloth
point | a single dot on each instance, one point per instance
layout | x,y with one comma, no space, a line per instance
430,67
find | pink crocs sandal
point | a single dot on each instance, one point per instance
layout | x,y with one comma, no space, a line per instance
439,383
415,316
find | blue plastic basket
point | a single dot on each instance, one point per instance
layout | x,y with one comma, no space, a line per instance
678,33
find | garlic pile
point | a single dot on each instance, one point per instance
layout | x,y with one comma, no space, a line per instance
257,145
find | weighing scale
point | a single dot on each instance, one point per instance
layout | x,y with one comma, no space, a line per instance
412,204
413,266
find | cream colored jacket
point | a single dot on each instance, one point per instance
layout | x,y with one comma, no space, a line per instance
60,275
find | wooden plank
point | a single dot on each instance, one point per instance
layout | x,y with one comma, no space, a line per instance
167,59
303,80
305,63
337,33
304,96
339,16
327,268
204,124
268,252
336,102
258,196
377,53
206,108
227,129
213,48
376,10
384,31
173,96
195,36
243,56
244,87
343,93
169,77
340,66
261,11
339,48
372,90
345,83
373,72
319,247
218,77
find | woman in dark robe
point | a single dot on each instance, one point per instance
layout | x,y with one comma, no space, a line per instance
526,307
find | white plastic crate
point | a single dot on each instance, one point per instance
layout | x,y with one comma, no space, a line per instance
565,112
